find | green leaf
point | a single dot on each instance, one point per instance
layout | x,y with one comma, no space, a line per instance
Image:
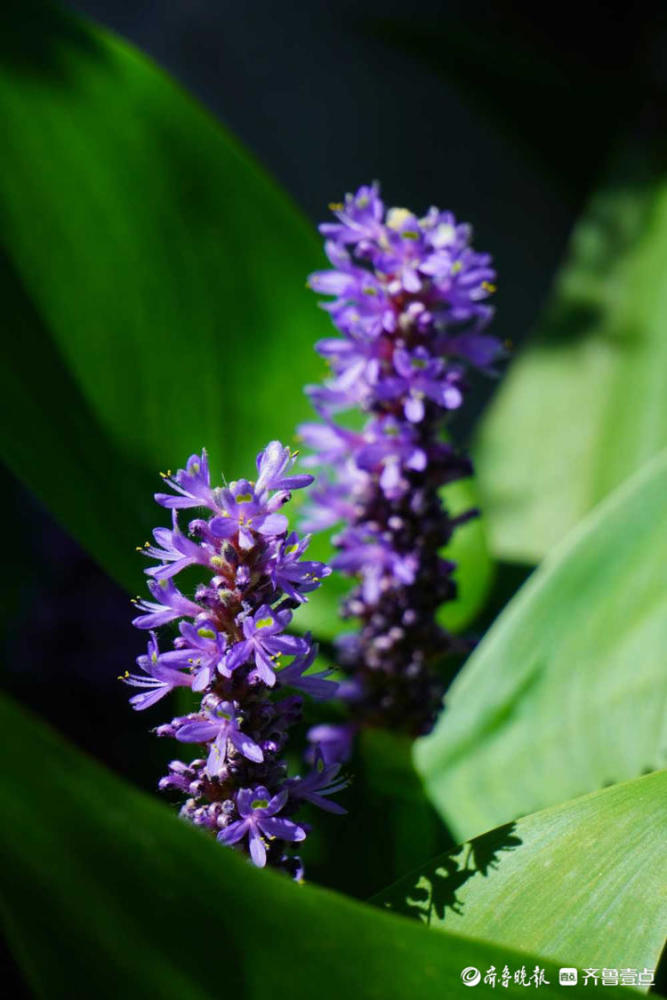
155,277
566,692
104,888
584,879
585,405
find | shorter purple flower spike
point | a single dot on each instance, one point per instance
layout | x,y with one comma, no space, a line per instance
233,650
409,297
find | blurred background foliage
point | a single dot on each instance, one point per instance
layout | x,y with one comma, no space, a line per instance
153,268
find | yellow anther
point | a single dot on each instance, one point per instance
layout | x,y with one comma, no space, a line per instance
336,206
396,217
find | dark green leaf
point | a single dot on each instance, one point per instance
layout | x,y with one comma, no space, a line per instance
566,692
155,279
107,893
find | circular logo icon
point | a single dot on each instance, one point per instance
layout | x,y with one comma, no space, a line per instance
471,976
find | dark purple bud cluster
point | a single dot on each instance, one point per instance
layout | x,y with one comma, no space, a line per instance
232,648
411,303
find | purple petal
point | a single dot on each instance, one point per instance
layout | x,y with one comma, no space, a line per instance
236,656
147,698
234,832
284,829
198,732
257,849
273,524
246,746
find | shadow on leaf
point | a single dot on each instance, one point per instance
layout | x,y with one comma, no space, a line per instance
428,894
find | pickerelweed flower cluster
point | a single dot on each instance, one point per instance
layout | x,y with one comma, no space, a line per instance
230,649
411,302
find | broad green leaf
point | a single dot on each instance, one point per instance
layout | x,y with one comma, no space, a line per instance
587,879
567,690
585,404
106,889
155,277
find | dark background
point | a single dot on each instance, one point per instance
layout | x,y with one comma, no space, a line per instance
504,113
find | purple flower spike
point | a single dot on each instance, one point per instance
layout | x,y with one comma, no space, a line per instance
232,649
409,297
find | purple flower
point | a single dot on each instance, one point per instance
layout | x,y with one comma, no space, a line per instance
424,377
322,780
272,463
203,649
374,557
246,515
192,483
257,809
332,742
317,685
219,726
169,604
295,576
263,642
177,551
159,678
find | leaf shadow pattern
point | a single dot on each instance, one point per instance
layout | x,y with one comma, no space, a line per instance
427,895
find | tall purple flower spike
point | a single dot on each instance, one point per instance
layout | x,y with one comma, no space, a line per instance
410,300
231,649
